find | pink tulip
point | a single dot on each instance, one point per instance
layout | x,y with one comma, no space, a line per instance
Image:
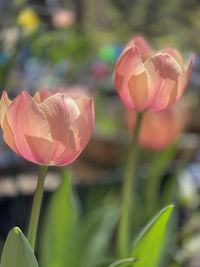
49,128
159,129
145,79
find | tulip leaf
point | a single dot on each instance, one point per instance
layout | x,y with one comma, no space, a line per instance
148,246
58,225
123,262
17,251
91,240
159,165
99,228
71,240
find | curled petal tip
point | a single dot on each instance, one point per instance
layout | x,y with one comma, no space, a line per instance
191,61
5,97
90,102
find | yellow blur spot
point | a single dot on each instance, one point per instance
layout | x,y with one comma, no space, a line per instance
28,19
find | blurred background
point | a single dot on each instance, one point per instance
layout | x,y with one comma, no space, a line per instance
74,44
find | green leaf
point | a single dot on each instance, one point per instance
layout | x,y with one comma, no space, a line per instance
159,165
91,240
99,230
124,262
58,226
148,246
70,240
17,251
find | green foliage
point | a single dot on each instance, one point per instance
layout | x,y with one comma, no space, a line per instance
59,222
124,262
180,26
147,248
70,240
17,251
158,167
90,244
62,45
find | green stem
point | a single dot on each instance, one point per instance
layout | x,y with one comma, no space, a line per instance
37,201
159,166
151,194
127,190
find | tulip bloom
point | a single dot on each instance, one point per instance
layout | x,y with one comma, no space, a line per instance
158,129
49,128
145,79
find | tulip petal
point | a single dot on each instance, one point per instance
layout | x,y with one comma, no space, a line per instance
4,103
124,69
8,135
175,54
41,95
79,133
155,133
169,73
65,155
130,61
84,124
166,96
144,48
166,66
61,111
40,148
143,86
26,120
184,78
63,107
138,87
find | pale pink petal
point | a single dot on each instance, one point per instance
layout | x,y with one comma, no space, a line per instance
84,124
123,91
158,129
26,120
175,54
166,66
69,153
130,61
78,134
129,64
141,45
8,135
144,48
184,78
155,132
61,111
166,96
169,72
40,148
75,91
41,95
4,103
143,86
138,87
